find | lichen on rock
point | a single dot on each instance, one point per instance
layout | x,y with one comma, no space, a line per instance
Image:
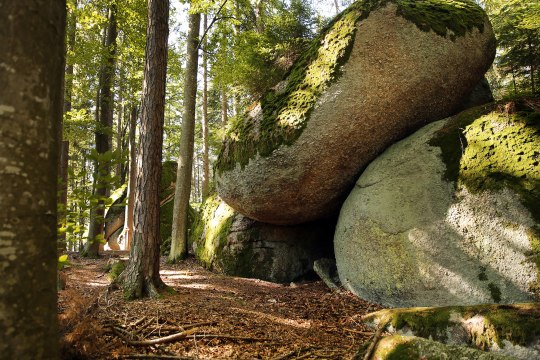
229,243
380,70
283,114
497,328
452,212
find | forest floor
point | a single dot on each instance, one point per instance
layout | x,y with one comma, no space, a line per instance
225,317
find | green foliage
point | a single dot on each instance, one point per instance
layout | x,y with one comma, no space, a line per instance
63,262
116,269
517,26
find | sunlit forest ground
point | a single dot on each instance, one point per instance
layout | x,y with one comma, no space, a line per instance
226,317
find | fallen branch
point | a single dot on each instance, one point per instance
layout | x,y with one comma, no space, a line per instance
199,324
229,337
360,332
290,353
165,339
374,341
155,356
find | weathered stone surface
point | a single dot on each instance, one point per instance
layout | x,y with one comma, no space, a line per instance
511,330
365,83
448,216
410,347
232,244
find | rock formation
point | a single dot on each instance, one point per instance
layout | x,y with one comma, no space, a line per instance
232,244
450,215
381,70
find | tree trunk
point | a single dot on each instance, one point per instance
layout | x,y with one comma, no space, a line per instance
142,273
128,222
206,165
31,75
337,6
71,28
103,140
185,159
224,108
531,56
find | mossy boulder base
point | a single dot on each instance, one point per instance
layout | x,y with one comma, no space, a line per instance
232,244
450,215
380,70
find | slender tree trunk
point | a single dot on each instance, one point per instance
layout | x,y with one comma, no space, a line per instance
119,127
141,276
128,222
514,79
185,159
31,77
531,56
71,28
224,108
103,140
337,6
206,164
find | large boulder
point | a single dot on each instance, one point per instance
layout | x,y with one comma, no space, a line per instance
230,243
380,70
448,216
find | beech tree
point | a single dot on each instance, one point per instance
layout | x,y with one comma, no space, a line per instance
103,139
185,158
141,277
31,73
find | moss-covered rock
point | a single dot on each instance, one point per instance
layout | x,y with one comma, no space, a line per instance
232,244
380,70
511,330
398,347
450,215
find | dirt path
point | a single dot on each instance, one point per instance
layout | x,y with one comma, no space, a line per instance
297,321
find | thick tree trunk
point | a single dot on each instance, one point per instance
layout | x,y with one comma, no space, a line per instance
206,164
103,140
128,222
141,276
185,159
31,75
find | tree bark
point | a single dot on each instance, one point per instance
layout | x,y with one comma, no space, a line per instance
103,140
141,277
31,74
206,164
224,108
185,158
71,28
128,222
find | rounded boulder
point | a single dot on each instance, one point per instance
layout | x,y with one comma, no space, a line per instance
380,70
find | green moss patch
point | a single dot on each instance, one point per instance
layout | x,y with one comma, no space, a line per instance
517,323
210,230
284,114
487,148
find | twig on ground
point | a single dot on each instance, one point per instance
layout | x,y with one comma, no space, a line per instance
155,356
229,337
359,332
290,353
374,341
165,339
